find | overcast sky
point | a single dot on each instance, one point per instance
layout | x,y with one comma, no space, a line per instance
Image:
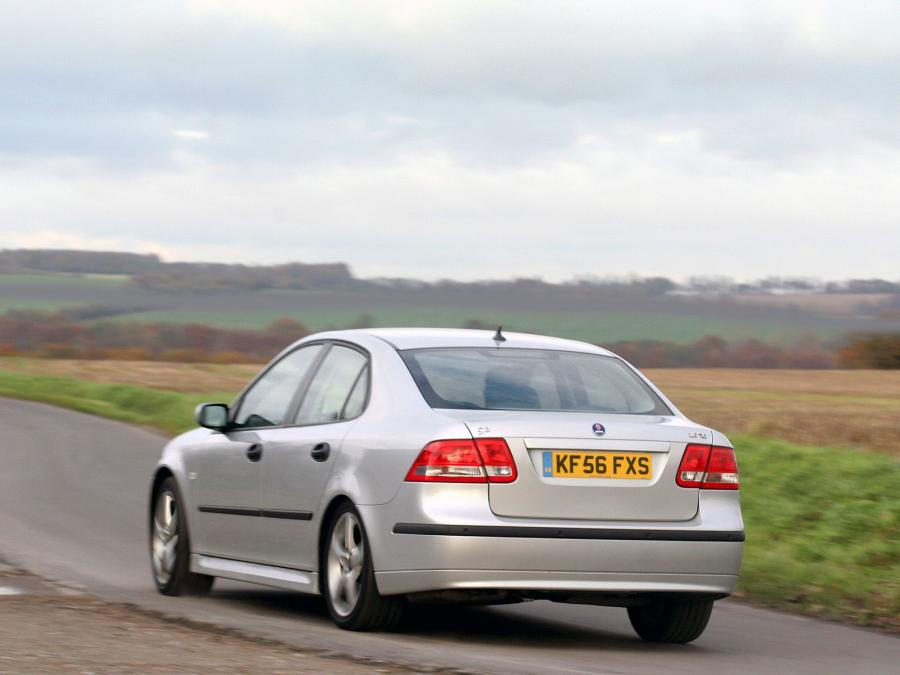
459,139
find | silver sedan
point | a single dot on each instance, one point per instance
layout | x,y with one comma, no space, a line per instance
393,466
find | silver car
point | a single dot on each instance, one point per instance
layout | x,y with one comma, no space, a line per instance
392,466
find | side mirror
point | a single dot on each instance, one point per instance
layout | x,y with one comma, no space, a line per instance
212,416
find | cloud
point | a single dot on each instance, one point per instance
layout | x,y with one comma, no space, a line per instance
665,207
191,134
522,137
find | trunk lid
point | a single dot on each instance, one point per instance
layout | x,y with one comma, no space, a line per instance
534,436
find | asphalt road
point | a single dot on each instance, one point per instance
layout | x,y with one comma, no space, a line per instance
73,492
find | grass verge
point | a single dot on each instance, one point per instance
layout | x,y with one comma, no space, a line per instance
823,524
823,530
167,411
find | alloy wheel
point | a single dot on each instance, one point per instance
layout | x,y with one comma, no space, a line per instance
165,537
346,560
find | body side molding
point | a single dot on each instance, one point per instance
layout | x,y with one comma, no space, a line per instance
257,513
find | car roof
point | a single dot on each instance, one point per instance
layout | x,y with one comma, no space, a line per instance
424,338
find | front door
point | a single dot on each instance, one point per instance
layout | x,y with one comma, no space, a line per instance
225,486
225,470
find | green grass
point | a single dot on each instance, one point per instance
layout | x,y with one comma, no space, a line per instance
823,524
605,327
166,411
823,530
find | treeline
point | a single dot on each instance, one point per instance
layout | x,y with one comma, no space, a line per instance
225,277
714,352
786,285
40,334
148,271
77,262
876,351
27,333
881,350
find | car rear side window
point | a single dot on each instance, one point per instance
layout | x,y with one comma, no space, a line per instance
356,401
266,403
332,387
530,379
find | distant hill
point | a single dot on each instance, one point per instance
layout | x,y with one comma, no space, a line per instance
150,272
77,262
89,286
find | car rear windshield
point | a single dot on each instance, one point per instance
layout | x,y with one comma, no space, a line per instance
530,379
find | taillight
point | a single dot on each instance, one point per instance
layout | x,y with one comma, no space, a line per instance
722,471
487,460
498,460
693,466
708,467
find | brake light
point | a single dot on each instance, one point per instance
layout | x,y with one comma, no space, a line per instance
708,468
693,466
487,460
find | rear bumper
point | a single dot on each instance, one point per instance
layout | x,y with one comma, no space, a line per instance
430,539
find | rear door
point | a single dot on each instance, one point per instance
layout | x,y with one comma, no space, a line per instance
559,459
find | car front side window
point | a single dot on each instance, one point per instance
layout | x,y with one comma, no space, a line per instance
267,402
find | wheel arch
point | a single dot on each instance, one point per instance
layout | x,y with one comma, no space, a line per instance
159,476
164,471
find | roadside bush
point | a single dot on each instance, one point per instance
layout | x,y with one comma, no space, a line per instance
56,335
871,351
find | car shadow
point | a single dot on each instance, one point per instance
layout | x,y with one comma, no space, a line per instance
525,626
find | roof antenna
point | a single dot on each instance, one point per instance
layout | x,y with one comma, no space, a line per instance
498,336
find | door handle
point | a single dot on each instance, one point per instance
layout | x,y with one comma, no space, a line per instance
254,452
320,452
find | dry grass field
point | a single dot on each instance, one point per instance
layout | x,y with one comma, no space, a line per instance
832,408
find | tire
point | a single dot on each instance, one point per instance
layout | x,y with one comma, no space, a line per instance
170,545
672,621
348,577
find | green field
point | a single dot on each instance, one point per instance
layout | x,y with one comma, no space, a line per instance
87,281
823,524
36,304
605,327
40,291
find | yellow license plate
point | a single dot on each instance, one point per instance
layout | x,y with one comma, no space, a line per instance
573,464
